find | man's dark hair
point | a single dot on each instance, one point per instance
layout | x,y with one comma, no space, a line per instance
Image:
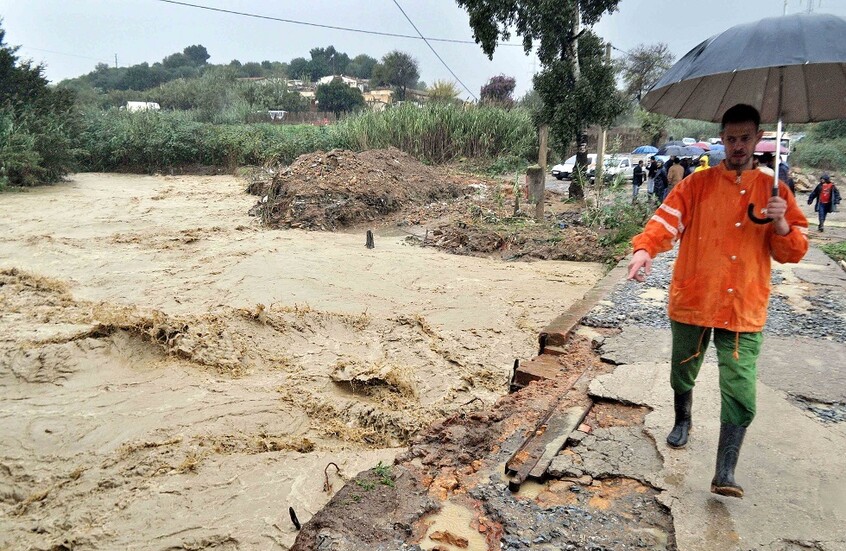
741,113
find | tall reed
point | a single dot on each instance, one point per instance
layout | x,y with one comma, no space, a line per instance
150,141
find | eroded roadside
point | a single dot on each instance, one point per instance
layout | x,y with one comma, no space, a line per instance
614,484
174,376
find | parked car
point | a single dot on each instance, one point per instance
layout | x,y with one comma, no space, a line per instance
688,141
620,164
565,169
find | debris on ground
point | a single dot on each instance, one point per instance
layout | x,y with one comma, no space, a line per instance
436,206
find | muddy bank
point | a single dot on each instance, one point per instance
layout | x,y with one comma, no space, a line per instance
175,376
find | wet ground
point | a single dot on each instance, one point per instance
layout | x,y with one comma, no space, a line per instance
615,484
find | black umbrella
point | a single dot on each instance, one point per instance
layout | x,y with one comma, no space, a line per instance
791,68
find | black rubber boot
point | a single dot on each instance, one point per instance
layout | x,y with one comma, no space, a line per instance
731,438
684,406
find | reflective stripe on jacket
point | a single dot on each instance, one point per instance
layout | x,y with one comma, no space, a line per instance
722,275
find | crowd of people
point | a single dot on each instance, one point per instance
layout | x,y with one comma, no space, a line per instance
661,177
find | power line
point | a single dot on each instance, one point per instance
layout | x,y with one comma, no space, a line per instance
434,52
322,26
62,53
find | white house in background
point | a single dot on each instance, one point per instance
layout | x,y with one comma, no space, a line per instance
349,81
141,106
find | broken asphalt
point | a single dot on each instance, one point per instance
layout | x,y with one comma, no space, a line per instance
615,484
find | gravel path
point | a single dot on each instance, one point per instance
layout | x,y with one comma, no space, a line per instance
631,303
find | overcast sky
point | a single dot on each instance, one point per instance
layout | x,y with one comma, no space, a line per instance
71,36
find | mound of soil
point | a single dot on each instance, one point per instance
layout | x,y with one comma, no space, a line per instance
437,206
329,190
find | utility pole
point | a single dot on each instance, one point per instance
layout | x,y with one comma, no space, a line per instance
116,61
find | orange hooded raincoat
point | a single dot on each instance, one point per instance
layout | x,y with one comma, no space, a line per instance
722,275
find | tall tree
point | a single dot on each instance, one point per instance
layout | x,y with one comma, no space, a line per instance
327,61
577,89
298,68
196,54
643,66
498,90
338,97
361,66
397,69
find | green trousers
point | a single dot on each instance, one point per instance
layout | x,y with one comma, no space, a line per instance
737,354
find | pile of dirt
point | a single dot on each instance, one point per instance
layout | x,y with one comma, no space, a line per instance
438,206
339,188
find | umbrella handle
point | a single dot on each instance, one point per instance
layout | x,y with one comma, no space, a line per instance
751,211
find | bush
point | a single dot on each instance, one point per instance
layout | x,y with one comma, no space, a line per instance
829,155
36,123
143,141
620,220
829,130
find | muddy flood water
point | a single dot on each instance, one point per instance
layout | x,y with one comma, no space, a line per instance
174,376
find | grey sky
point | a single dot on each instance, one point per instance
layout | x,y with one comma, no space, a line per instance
71,36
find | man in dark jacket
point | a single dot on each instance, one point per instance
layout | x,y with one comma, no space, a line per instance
637,180
827,196
651,171
661,182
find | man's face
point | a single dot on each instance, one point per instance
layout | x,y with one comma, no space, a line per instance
740,139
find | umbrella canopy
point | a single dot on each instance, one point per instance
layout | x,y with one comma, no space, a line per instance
717,147
692,151
672,150
645,150
702,145
769,146
716,156
796,60
685,151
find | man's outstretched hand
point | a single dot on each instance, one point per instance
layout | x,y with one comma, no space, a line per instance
640,265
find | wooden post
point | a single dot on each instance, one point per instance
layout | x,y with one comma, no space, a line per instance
543,140
535,181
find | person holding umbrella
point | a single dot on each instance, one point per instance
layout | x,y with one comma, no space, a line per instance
827,196
721,280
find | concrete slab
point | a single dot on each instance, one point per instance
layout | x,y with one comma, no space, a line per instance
792,466
611,452
804,367
819,268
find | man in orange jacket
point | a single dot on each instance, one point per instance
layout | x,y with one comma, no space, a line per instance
721,279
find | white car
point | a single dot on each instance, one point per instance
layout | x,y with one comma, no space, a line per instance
565,169
688,141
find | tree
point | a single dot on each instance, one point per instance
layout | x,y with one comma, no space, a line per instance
397,69
196,54
654,125
643,66
577,89
327,61
298,68
175,60
498,90
443,91
37,123
338,97
361,66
